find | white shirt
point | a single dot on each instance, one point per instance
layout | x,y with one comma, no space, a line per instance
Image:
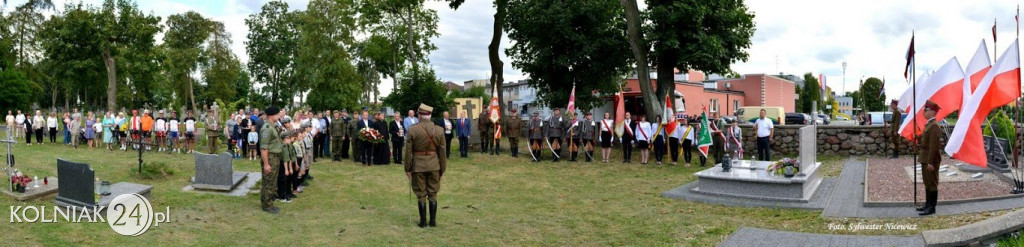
607,125
98,127
20,119
690,136
173,125
316,126
190,125
51,122
643,131
10,119
764,127
38,121
160,125
447,126
678,134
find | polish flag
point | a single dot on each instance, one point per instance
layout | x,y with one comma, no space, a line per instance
977,68
572,101
668,120
1000,86
945,88
620,115
906,100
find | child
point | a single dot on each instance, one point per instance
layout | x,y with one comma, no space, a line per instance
98,128
253,138
283,186
301,154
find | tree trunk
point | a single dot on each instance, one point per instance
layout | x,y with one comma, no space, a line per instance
636,39
192,95
111,80
666,77
412,55
497,76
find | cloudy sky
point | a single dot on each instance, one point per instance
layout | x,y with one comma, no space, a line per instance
793,37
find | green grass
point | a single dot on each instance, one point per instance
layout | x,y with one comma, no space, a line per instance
486,201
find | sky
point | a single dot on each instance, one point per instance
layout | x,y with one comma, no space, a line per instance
791,37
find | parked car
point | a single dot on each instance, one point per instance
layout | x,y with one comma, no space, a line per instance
824,119
877,117
797,118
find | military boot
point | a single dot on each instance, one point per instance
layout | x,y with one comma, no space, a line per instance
423,214
433,213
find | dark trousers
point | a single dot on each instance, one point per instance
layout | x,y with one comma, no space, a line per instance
284,184
325,147
687,155
448,145
485,141
366,152
39,136
659,148
627,150
764,149
318,142
28,134
53,135
464,146
396,149
344,148
673,148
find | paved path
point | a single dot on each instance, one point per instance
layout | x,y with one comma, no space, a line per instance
848,200
817,202
764,237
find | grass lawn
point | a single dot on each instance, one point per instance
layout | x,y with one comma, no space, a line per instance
485,200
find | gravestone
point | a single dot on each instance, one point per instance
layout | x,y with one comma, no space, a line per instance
808,148
78,187
214,172
997,150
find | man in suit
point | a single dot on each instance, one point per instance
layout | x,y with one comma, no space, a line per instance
448,126
930,159
424,164
628,138
535,131
365,149
511,127
397,131
462,128
484,127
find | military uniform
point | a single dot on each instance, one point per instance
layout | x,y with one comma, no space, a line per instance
894,131
930,160
270,140
535,131
352,130
484,126
338,133
425,163
588,133
574,138
554,129
511,128
213,130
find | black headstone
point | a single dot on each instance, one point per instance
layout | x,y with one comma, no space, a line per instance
997,155
77,184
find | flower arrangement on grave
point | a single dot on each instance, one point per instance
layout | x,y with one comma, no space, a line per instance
370,135
19,182
787,167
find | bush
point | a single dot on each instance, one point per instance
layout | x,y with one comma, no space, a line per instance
1004,127
154,170
1012,239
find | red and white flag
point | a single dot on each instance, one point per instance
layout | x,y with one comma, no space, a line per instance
945,88
1000,86
497,132
977,68
620,115
906,100
495,107
668,119
572,101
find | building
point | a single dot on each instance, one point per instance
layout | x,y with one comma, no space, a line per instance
476,83
452,86
845,105
724,96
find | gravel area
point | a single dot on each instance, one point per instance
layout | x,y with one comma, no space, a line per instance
887,181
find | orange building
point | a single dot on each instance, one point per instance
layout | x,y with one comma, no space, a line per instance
722,96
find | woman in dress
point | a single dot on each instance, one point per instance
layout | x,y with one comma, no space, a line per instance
89,131
67,128
108,130
606,136
643,137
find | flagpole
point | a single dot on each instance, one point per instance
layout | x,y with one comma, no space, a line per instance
1017,186
913,79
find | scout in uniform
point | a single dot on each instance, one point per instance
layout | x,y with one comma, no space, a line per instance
425,162
213,130
270,149
512,130
483,126
894,129
930,159
588,132
535,131
555,128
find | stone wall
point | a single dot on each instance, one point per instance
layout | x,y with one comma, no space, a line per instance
832,140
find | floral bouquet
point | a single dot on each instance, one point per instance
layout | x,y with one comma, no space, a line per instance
19,182
786,167
370,135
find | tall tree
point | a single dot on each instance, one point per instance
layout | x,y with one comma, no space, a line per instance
640,50
497,75
326,35
122,27
810,93
271,48
399,26
184,38
25,23
71,44
222,70
869,90
696,34
562,43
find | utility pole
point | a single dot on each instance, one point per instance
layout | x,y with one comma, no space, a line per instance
844,76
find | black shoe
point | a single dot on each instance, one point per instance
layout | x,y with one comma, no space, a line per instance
422,206
272,210
922,208
927,211
433,213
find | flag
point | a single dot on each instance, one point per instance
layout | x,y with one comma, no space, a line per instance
881,91
497,132
1000,86
945,88
910,57
669,119
572,101
908,96
495,109
977,68
993,31
704,134
620,113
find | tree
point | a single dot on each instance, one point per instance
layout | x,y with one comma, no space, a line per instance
326,31
695,34
18,90
497,75
400,26
25,24
271,48
562,43
640,51
425,88
71,45
869,93
809,94
123,27
184,38
222,69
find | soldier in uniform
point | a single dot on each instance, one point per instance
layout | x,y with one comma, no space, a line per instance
213,130
483,127
353,132
930,159
535,131
425,162
588,132
574,137
270,151
511,126
555,128
894,129
337,136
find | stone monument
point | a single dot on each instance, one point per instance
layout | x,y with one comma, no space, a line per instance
214,172
79,185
